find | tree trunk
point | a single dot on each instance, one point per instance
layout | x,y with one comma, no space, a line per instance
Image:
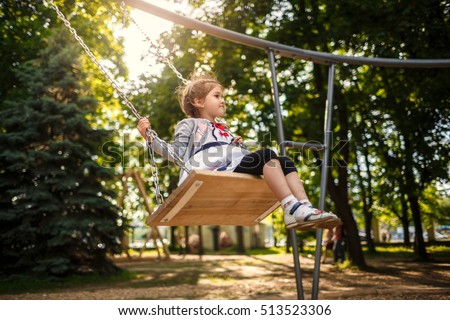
288,241
215,235
368,228
339,191
413,189
366,196
201,250
174,237
405,221
186,239
340,198
352,238
431,231
368,202
240,239
419,243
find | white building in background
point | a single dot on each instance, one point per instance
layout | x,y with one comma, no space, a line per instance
259,236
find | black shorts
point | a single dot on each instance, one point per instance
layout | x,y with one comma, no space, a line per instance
254,162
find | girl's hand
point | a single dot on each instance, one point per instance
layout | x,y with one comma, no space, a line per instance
238,141
143,125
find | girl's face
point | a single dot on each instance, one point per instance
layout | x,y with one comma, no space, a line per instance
213,105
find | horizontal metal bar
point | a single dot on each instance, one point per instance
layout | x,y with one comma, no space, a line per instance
281,49
301,145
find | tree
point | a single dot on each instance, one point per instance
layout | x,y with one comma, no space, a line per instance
422,146
21,33
56,216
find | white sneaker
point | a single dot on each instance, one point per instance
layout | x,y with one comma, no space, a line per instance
329,224
304,216
289,220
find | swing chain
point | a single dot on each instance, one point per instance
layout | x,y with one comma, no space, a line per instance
153,44
151,135
93,58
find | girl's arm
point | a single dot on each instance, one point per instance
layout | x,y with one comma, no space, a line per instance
238,141
183,133
142,127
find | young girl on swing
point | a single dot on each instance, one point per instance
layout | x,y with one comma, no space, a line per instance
204,144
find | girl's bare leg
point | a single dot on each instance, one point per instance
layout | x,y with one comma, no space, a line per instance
275,179
296,186
281,187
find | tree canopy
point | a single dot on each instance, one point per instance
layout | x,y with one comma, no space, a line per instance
57,211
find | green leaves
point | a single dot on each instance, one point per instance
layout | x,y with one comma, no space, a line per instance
56,216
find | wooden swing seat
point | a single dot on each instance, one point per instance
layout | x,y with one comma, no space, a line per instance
216,198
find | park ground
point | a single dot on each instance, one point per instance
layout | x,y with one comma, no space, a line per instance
256,276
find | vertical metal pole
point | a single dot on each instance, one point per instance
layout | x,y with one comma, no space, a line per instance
297,269
292,233
324,176
276,101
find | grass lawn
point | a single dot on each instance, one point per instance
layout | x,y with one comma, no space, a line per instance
149,278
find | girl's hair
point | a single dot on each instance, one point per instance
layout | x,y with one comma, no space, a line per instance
198,87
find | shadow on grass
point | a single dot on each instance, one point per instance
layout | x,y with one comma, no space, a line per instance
27,283
151,273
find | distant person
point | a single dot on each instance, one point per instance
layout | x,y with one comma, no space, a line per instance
224,240
182,246
339,244
384,236
194,242
327,244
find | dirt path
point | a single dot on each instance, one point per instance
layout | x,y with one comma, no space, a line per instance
262,277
